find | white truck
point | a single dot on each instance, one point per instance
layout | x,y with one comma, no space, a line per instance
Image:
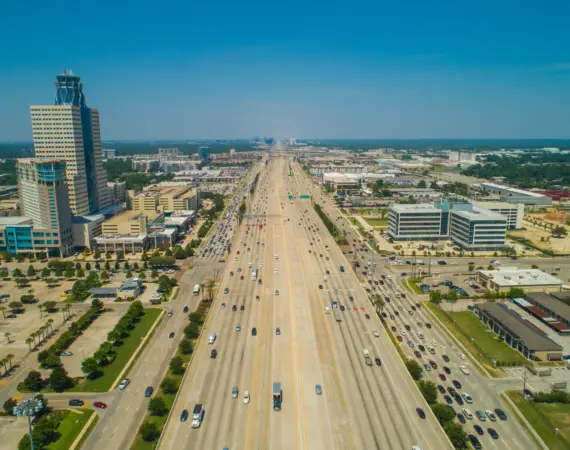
197,415
464,369
367,357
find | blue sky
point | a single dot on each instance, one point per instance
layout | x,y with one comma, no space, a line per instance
408,69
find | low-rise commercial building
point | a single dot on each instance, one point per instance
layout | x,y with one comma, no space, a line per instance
514,195
551,309
520,334
341,181
530,280
514,212
131,288
325,168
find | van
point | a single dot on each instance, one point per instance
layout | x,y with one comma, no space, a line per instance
327,310
464,369
467,413
211,338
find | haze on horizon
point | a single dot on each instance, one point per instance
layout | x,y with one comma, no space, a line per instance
302,69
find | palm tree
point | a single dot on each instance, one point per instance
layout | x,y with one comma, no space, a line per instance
202,287
33,338
7,336
378,302
49,324
10,357
41,308
4,361
29,342
3,308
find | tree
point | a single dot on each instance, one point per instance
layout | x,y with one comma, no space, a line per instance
196,317
180,253
129,274
378,302
169,386
89,366
97,304
9,406
69,272
428,390
33,381
471,267
120,256
59,380
31,271
456,435
126,266
154,274
16,307
435,297
168,252
50,306
177,365
157,407
80,273
7,335
559,231
186,346
161,261
191,331
414,368
29,342
443,413
149,431
45,272
97,254
422,184
104,275
515,292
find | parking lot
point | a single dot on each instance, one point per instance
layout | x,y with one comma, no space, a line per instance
90,340
12,429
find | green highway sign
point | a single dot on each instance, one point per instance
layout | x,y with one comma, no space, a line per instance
290,197
304,196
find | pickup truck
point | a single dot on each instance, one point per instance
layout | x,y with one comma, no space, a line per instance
197,415
464,369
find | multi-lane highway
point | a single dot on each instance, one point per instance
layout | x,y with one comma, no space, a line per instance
405,319
360,407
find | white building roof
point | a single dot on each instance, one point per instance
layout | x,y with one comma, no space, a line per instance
513,190
420,207
514,277
479,214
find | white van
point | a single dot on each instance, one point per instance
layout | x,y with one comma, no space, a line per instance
467,413
464,369
327,309
211,338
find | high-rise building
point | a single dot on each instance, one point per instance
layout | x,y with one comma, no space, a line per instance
69,130
44,200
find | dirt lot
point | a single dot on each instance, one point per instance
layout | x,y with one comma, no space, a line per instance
91,339
558,245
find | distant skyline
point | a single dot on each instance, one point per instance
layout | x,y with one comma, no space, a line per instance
224,70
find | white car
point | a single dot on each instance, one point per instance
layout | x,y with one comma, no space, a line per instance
375,332
462,356
434,344
491,415
238,328
467,397
124,384
275,271
246,397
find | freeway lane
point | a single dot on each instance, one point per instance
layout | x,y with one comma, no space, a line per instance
361,406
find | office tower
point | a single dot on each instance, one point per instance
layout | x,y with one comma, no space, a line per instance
44,199
69,130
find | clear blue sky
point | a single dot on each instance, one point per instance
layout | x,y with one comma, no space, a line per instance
186,69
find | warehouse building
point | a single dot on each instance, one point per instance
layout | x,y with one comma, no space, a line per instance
518,333
514,195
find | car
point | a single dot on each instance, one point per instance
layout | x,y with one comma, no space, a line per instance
400,339
351,298
76,402
276,291
246,397
223,305
278,331
448,399
474,442
452,391
500,413
481,415
123,384
170,313
421,413
407,327
447,370
394,329
418,354
433,364
442,377
320,286
148,391
238,328
441,389
318,389
254,331
420,324
427,367
490,415
184,415
428,325
458,399
242,308
235,392
171,335
467,397
493,433
213,354
185,309
226,291
461,418
367,316
445,358
66,354
479,430
378,362
100,405
234,308
422,348
456,383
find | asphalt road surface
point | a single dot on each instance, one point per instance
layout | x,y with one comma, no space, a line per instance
361,406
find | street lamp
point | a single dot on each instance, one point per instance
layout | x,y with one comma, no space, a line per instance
29,407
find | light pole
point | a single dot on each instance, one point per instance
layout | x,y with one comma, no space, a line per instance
372,268
29,407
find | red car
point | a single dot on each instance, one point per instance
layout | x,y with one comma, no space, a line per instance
362,308
442,377
100,405
399,338
241,278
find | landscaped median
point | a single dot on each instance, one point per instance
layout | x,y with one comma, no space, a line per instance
161,403
480,341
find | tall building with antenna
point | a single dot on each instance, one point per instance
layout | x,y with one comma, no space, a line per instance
69,130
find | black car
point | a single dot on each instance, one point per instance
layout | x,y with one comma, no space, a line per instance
421,413
447,370
254,331
479,430
367,316
428,325
234,308
148,391
457,384
458,399
445,358
447,399
242,307
461,418
474,442
351,298
184,415
500,414
76,402
493,433
440,388
213,354
185,310
452,391
171,335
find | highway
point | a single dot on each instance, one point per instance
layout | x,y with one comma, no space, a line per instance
360,407
483,390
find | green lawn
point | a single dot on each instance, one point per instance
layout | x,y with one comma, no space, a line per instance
544,418
70,428
413,286
124,353
376,222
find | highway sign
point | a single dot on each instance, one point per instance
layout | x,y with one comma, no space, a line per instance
290,197
304,196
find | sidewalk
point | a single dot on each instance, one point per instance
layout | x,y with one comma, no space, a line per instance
83,431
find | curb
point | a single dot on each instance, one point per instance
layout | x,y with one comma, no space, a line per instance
83,431
520,416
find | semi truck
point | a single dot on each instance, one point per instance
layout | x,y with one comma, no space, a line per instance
277,396
367,357
197,415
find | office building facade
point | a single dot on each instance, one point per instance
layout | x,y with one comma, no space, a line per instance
69,130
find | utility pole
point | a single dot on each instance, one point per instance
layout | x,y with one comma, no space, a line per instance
372,268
